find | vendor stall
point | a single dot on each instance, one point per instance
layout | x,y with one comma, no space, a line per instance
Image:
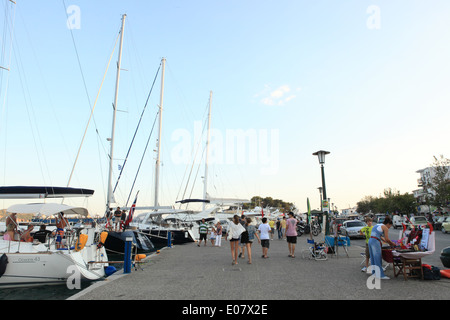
406,259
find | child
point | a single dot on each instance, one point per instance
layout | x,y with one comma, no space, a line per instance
366,231
213,236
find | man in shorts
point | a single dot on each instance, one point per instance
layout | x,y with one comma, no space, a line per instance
203,231
264,230
291,234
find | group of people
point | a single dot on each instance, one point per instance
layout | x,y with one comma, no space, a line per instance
241,234
14,234
116,220
245,235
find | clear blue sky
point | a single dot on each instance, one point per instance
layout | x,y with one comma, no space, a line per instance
366,80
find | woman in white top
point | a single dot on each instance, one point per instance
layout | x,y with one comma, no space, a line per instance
234,231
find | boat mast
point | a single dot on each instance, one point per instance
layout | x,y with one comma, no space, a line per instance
158,144
110,197
205,181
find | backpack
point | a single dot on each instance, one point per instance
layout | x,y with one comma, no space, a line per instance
431,272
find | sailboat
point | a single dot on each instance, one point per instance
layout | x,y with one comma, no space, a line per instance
43,262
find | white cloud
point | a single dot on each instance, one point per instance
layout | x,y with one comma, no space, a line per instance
276,97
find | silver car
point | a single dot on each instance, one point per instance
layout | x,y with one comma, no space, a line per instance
351,228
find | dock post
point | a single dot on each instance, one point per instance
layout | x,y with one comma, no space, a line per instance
127,255
169,239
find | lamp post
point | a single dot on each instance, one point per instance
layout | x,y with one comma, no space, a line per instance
321,155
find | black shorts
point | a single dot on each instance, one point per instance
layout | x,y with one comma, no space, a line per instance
291,239
203,236
265,243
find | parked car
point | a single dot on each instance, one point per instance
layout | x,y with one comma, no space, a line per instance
419,221
339,222
446,225
351,228
397,221
437,225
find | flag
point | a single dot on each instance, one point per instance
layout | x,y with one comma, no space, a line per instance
309,210
130,214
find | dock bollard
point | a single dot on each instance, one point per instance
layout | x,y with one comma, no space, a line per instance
169,239
127,255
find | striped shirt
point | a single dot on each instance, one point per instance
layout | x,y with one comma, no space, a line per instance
203,228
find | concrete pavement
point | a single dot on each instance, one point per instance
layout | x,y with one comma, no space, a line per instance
189,272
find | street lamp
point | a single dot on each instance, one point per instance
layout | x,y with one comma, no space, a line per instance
321,155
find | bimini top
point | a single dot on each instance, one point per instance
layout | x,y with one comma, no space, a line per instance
24,192
47,209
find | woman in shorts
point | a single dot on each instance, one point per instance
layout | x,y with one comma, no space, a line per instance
291,234
249,237
233,232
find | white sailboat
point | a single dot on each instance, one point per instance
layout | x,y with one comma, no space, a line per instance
24,264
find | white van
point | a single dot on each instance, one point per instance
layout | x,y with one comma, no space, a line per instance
397,221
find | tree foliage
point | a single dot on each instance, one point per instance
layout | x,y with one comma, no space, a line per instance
257,201
391,201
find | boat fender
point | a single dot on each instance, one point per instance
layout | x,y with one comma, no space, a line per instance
103,237
109,270
81,242
139,257
445,273
3,264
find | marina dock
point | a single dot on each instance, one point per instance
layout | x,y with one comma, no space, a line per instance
189,272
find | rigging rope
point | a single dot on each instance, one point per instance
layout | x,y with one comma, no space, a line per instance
145,150
92,112
137,128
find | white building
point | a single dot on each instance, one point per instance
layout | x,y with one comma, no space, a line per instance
426,177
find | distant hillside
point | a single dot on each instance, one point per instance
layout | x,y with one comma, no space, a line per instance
20,217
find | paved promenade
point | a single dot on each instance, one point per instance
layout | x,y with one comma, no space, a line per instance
189,272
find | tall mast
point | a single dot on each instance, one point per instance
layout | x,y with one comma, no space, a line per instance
158,144
110,197
205,181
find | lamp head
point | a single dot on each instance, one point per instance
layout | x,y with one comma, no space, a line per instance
321,155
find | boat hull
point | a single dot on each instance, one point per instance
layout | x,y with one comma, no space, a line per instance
25,269
115,242
159,237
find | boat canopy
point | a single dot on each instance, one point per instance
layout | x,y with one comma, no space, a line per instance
47,209
26,192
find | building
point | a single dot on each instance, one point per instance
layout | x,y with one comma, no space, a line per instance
426,178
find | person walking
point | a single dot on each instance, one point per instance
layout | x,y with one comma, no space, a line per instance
291,234
379,233
241,244
219,231
203,231
234,230
264,230
278,224
272,228
251,234
283,228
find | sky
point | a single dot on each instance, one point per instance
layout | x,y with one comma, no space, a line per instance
365,80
